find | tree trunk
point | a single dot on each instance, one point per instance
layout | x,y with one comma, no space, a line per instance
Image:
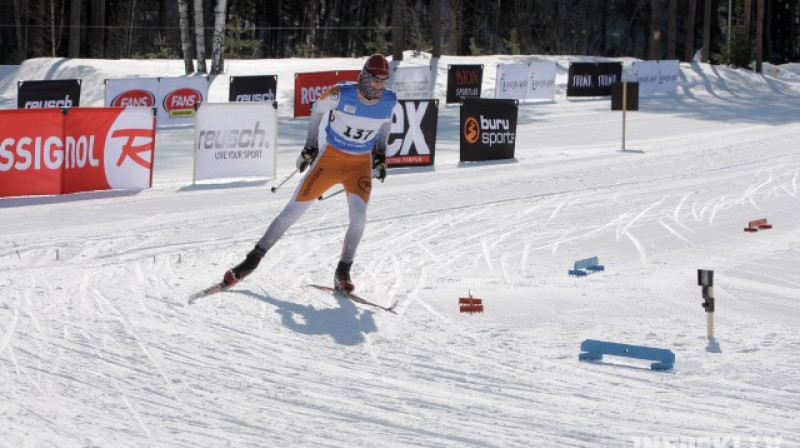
74,29
21,10
690,29
397,30
218,40
672,29
759,35
707,30
200,36
186,40
655,30
97,23
436,27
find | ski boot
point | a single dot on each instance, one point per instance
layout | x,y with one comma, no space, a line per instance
341,279
244,268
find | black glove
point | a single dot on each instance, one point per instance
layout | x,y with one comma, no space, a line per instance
379,165
306,158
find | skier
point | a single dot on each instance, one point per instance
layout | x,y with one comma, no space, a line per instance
356,134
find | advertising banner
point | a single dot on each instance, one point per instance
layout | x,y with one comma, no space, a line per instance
48,152
412,139
593,78
463,81
627,90
656,76
253,88
512,81
413,83
131,92
542,81
488,129
235,140
308,87
177,98
57,93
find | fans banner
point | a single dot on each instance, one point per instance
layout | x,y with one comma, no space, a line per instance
488,129
593,78
50,152
412,139
59,93
541,81
413,83
308,87
131,92
177,98
463,81
253,88
656,76
235,140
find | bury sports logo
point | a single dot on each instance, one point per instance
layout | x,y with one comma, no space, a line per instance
134,98
181,102
472,131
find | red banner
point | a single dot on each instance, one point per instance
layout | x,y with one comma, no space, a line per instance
308,87
86,149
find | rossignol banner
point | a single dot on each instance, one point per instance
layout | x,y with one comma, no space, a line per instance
656,76
131,92
463,81
59,93
253,88
235,140
173,98
412,139
526,81
593,78
49,152
308,87
488,129
413,82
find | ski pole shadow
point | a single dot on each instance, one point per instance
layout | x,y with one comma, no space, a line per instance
344,324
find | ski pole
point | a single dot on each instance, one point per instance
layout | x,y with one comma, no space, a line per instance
322,198
274,189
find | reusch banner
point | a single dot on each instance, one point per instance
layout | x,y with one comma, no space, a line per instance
51,152
463,81
58,93
593,78
308,87
177,98
488,129
131,92
235,140
413,83
656,76
253,88
412,138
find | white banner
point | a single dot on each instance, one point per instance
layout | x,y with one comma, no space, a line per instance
131,92
656,76
235,140
542,81
177,98
512,81
413,83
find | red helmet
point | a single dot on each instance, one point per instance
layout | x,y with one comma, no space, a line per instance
377,65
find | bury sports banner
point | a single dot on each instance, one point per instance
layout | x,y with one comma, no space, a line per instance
488,129
534,81
253,88
235,140
656,76
131,92
308,87
463,81
59,93
593,78
412,138
413,83
46,151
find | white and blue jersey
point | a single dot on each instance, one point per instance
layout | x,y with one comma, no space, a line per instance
354,126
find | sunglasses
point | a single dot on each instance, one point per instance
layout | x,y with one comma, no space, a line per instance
378,79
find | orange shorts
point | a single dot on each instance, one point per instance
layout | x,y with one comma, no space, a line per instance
353,171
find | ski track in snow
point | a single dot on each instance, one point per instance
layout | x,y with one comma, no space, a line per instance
98,346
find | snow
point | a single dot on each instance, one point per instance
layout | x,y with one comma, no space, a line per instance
98,346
